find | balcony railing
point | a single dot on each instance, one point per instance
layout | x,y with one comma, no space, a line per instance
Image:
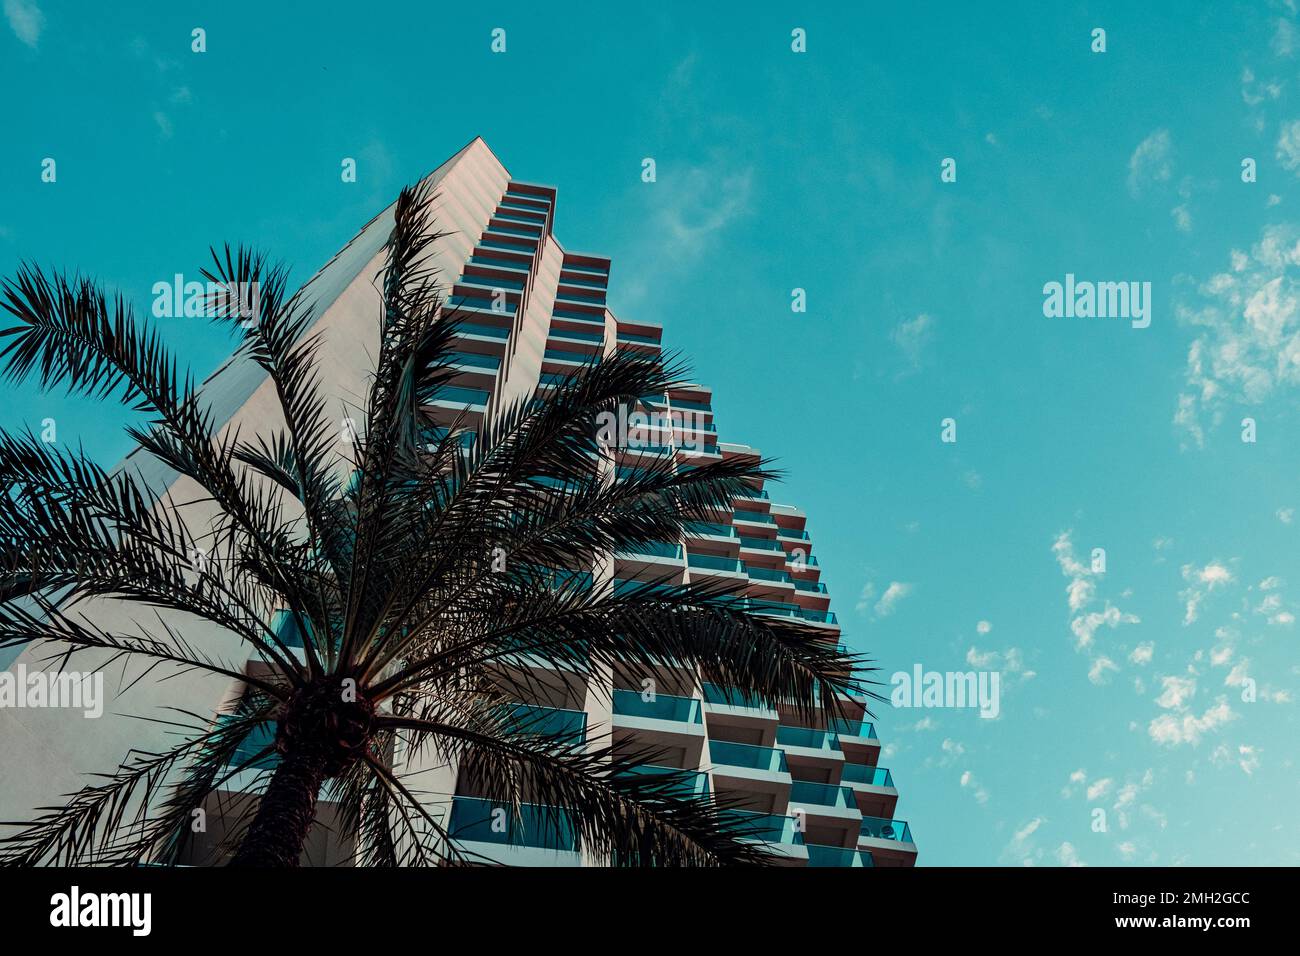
533,825
655,549
872,776
711,562
810,587
456,394
878,828
748,755
807,737
549,721
711,528
842,856
685,783
731,697
761,544
821,795
767,574
767,827
632,703
761,517
487,331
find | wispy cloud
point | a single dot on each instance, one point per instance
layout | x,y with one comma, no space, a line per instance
912,337
1247,347
26,20
1172,730
686,209
1201,581
1150,162
896,591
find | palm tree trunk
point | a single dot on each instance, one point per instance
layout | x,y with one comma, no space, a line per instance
279,829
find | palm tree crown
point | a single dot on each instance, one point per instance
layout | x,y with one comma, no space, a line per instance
397,593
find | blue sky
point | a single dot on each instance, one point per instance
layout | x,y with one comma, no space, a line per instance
1122,691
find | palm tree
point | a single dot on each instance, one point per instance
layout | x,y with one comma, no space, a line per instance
389,593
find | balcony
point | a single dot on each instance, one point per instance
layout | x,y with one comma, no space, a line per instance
708,529
494,262
840,856
859,742
708,564
565,725
664,722
867,776
474,362
890,841
459,398
775,830
559,356
821,795
573,335
873,789
685,783
530,835
757,775
656,558
748,756
729,707
810,587
768,576
631,703
473,330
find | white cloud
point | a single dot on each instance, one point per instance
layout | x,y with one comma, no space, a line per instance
1127,850
26,20
1010,663
983,627
1286,515
912,337
1080,589
1182,217
1028,830
1067,855
896,591
1171,730
1247,347
1254,92
1150,162
968,782
1201,582
1085,626
1177,691
685,210
1245,756
865,598
1288,145
1143,653
1101,664
1099,788
1283,42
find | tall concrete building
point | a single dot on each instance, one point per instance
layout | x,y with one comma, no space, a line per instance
534,312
